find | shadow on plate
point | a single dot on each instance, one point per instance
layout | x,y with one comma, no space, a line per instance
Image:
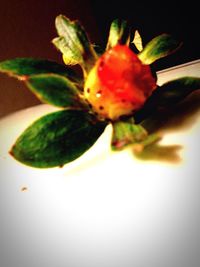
177,119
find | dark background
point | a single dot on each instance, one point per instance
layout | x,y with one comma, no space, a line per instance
153,18
27,28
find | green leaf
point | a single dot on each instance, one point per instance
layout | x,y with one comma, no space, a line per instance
57,138
158,47
168,95
126,132
23,67
119,33
73,42
55,89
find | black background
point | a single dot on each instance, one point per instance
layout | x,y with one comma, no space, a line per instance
180,19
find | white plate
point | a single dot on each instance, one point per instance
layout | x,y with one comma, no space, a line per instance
105,209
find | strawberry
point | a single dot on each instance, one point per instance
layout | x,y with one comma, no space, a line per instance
118,84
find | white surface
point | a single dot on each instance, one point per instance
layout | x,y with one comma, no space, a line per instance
104,209
188,69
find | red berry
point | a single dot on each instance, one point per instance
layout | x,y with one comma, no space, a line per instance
119,83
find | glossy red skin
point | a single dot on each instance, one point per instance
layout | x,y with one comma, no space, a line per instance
122,83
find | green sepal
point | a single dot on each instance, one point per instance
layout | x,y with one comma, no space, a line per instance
118,34
168,95
158,47
55,89
125,133
69,58
74,44
57,138
24,67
